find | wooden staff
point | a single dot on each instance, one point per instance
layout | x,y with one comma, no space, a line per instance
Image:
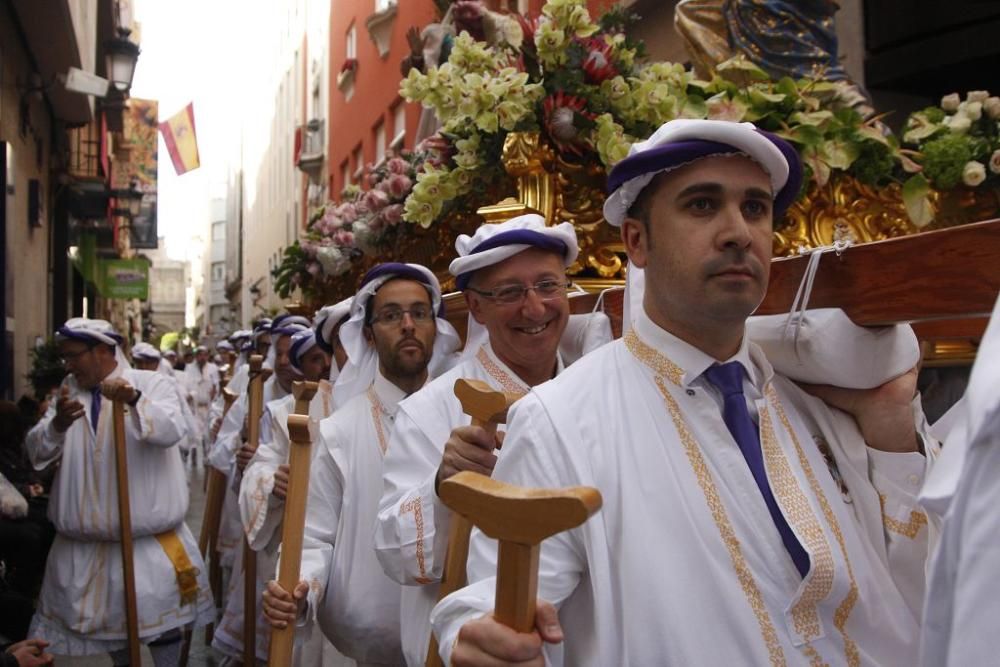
256,407
519,519
293,521
125,519
208,539
488,408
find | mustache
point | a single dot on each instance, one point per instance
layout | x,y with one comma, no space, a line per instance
731,259
409,340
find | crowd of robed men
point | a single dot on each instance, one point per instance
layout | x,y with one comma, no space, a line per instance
746,519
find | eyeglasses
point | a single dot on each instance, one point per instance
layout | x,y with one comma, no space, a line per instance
67,357
394,316
511,294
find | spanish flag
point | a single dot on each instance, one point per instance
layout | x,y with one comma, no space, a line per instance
182,142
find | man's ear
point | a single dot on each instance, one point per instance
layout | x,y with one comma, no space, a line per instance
475,304
635,238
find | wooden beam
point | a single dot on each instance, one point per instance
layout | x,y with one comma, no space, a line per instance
944,274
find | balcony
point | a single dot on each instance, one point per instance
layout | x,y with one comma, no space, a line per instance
310,153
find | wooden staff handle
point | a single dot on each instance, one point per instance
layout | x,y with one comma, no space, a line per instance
488,408
293,521
125,518
519,519
255,408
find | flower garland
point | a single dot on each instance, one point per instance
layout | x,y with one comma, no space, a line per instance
585,87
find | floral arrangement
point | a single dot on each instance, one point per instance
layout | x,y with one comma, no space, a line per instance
955,144
585,87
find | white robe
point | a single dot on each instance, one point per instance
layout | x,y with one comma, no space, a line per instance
203,385
683,565
81,609
412,533
963,595
356,604
261,515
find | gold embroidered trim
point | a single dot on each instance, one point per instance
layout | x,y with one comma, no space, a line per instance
377,411
917,521
843,611
413,505
726,532
799,513
663,367
506,382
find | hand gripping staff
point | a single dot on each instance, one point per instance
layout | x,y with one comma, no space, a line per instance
209,536
519,519
293,521
125,517
258,375
488,408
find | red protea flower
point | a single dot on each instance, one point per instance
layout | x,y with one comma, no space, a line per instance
597,64
562,114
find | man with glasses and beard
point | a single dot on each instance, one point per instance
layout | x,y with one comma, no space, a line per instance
392,339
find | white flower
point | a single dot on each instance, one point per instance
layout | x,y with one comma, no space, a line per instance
977,95
950,102
995,161
992,107
974,173
974,110
333,261
959,123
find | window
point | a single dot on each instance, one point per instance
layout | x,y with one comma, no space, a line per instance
352,43
345,174
398,126
359,164
218,231
218,271
380,142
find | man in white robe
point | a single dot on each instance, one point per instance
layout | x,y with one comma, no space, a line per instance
265,480
202,377
81,609
963,598
228,637
343,586
145,357
514,279
222,454
745,522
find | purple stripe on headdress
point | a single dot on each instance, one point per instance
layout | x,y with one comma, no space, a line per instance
397,269
289,329
298,345
80,336
318,329
664,157
513,237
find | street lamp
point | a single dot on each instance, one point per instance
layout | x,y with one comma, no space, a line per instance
128,203
121,54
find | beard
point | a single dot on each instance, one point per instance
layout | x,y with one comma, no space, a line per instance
402,365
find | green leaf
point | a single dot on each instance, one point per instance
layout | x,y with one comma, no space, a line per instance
815,118
918,205
839,154
740,71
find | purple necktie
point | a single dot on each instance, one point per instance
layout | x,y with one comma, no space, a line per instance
728,378
95,406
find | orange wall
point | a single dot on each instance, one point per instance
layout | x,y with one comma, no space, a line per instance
376,82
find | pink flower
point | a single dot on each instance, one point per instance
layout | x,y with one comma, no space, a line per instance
399,186
597,65
343,238
314,268
392,214
348,212
397,165
375,200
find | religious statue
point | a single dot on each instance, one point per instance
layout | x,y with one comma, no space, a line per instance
795,38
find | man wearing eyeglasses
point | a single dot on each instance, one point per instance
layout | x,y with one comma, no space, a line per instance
81,607
513,275
393,340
